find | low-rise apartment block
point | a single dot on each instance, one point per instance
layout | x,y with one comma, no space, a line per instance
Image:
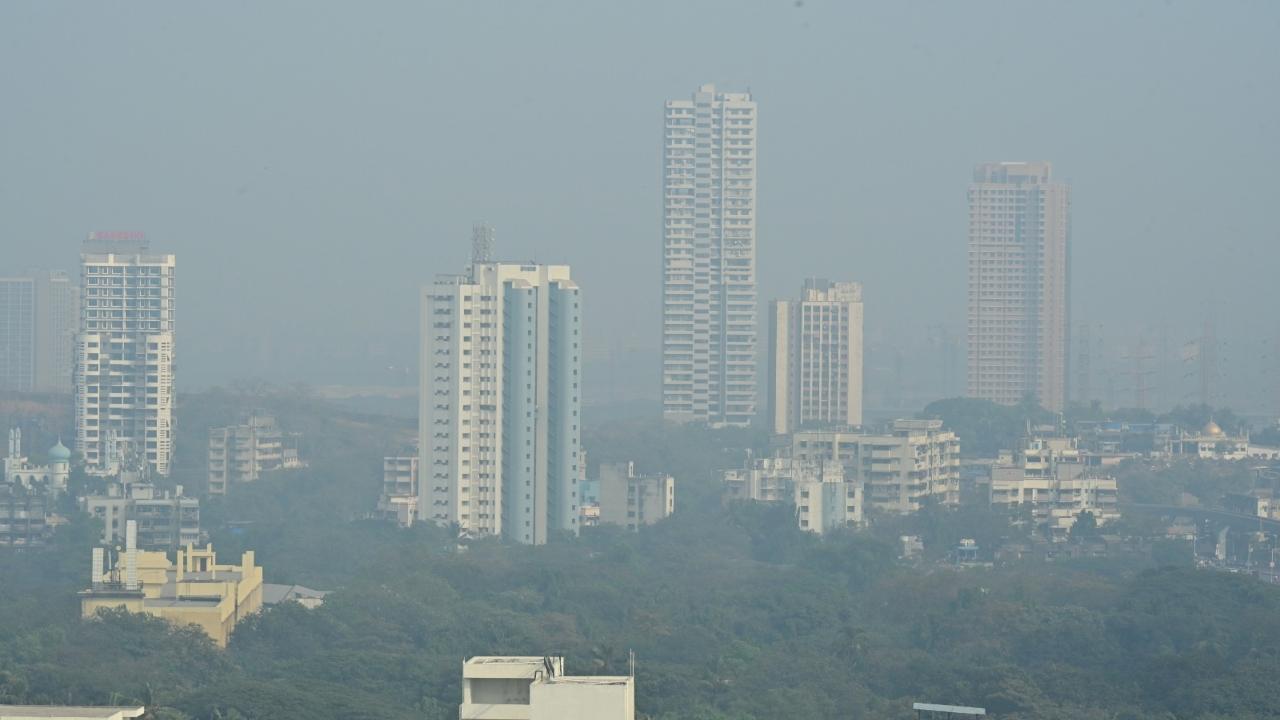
536,688
241,453
822,496
916,462
1055,479
768,479
632,500
166,520
401,499
25,517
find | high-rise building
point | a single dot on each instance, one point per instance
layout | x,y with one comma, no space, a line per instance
500,401
709,259
37,332
124,354
815,358
1019,284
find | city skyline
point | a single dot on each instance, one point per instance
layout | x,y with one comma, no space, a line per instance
862,170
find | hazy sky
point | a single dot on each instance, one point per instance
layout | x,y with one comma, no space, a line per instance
313,163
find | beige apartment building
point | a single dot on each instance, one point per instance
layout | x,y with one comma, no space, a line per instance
241,453
709,329
1019,284
1054,479
915,462
815,358
193,590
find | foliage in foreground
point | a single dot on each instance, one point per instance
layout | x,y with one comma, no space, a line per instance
732,612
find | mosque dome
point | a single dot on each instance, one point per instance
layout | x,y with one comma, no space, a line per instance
1212,430
59,453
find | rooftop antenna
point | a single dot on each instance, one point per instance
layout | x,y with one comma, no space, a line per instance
481,243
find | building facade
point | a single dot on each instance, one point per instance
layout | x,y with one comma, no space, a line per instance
38,322
1056,481
709,328
815,358
1019,284
194,590
50,479
241,453
916,462
166,519
536,688
124,358
828,501
823,498
630,500
401,497
25,516
500,401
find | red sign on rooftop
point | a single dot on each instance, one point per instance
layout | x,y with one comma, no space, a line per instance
117,235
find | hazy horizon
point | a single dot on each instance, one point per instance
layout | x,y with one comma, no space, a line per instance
312,166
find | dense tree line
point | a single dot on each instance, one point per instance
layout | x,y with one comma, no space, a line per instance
732,611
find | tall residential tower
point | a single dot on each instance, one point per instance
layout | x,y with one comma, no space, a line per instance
124,354
815,358
500,401
709,259
1019,284
37,332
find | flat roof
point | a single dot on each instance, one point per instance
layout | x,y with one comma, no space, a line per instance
591,679
953,709
510,660
68,712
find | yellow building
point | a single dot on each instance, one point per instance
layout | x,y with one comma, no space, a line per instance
194,590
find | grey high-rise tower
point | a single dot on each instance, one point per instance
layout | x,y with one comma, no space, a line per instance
709,331
1019,291
38,314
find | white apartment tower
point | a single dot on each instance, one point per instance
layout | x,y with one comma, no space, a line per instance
37,332
500,407
1019,291
815,358
709,259
124,354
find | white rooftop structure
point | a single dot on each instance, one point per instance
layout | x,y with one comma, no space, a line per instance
68,712
536,688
